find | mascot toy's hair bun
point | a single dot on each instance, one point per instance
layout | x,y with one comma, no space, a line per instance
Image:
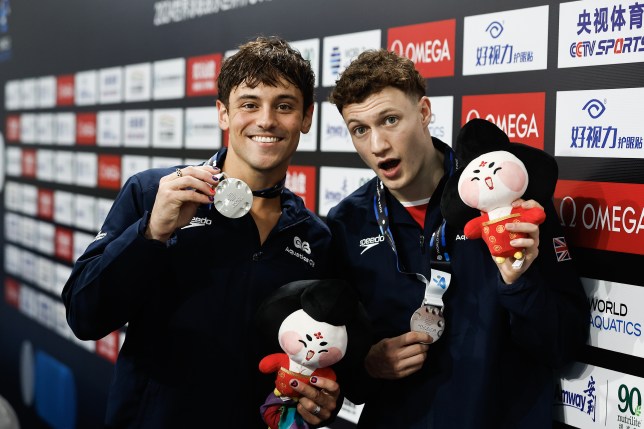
479,137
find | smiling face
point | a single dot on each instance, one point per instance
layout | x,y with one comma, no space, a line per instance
310,343
264,124
492,180
389,132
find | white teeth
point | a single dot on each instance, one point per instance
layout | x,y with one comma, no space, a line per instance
265,139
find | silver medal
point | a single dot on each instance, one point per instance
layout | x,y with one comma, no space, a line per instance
429,320
233,198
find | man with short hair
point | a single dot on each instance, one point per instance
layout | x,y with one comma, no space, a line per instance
186,267
505,330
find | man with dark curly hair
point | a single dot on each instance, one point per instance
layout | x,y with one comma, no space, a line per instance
186,267
460,340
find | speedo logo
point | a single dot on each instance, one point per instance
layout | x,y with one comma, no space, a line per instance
198,221
370,242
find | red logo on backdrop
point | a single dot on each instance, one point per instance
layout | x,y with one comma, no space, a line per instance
109,171
45,204
12,292
65,90
602,215
521,116
202,75
108,347
13,128
29,163
301,180
64,246
430,46
86,128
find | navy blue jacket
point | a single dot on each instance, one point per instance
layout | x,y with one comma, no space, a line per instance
191,351
495,364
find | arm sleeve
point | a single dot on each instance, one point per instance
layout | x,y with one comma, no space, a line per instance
549,311
110,280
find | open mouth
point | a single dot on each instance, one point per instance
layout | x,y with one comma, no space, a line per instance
309,354
389,164
489,183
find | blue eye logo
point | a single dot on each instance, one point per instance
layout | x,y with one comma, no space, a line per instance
595,108
495,29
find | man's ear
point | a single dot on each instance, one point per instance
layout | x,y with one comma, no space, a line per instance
307,120
425,107
222,112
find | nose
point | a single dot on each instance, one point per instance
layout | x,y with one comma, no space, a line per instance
379,143
266,119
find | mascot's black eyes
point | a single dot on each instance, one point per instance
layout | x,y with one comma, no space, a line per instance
491,165
302,342
474,178
323,343
477,171
323,351
496,169
308,337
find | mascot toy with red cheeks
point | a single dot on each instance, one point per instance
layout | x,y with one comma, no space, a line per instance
315,324
478,197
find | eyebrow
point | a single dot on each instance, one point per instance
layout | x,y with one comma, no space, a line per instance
383,113
257,97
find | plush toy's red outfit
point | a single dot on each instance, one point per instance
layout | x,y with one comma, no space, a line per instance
280,362
494,233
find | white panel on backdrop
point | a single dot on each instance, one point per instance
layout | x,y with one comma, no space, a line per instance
164,162
28,128
45,165
65,128
132,164
81,241
442,120
167,128
45,128
12,100
63,207
337,182
309,141
604,123
110,85
608,32
334,135
12,227
14,161
617,316
28,93
29,204
46,92
86,169
45,273
591,397
103,206
508,41
46,235
202,128
85,212
168,79
310,50
28,267
340,50
12,258
108,128
136,128
86,88
138,82
65,167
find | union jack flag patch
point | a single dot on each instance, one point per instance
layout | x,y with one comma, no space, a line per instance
561,249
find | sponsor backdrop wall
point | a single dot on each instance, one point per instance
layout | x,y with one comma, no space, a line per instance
92,92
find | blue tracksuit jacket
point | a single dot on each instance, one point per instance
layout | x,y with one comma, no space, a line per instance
191,352
495,364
